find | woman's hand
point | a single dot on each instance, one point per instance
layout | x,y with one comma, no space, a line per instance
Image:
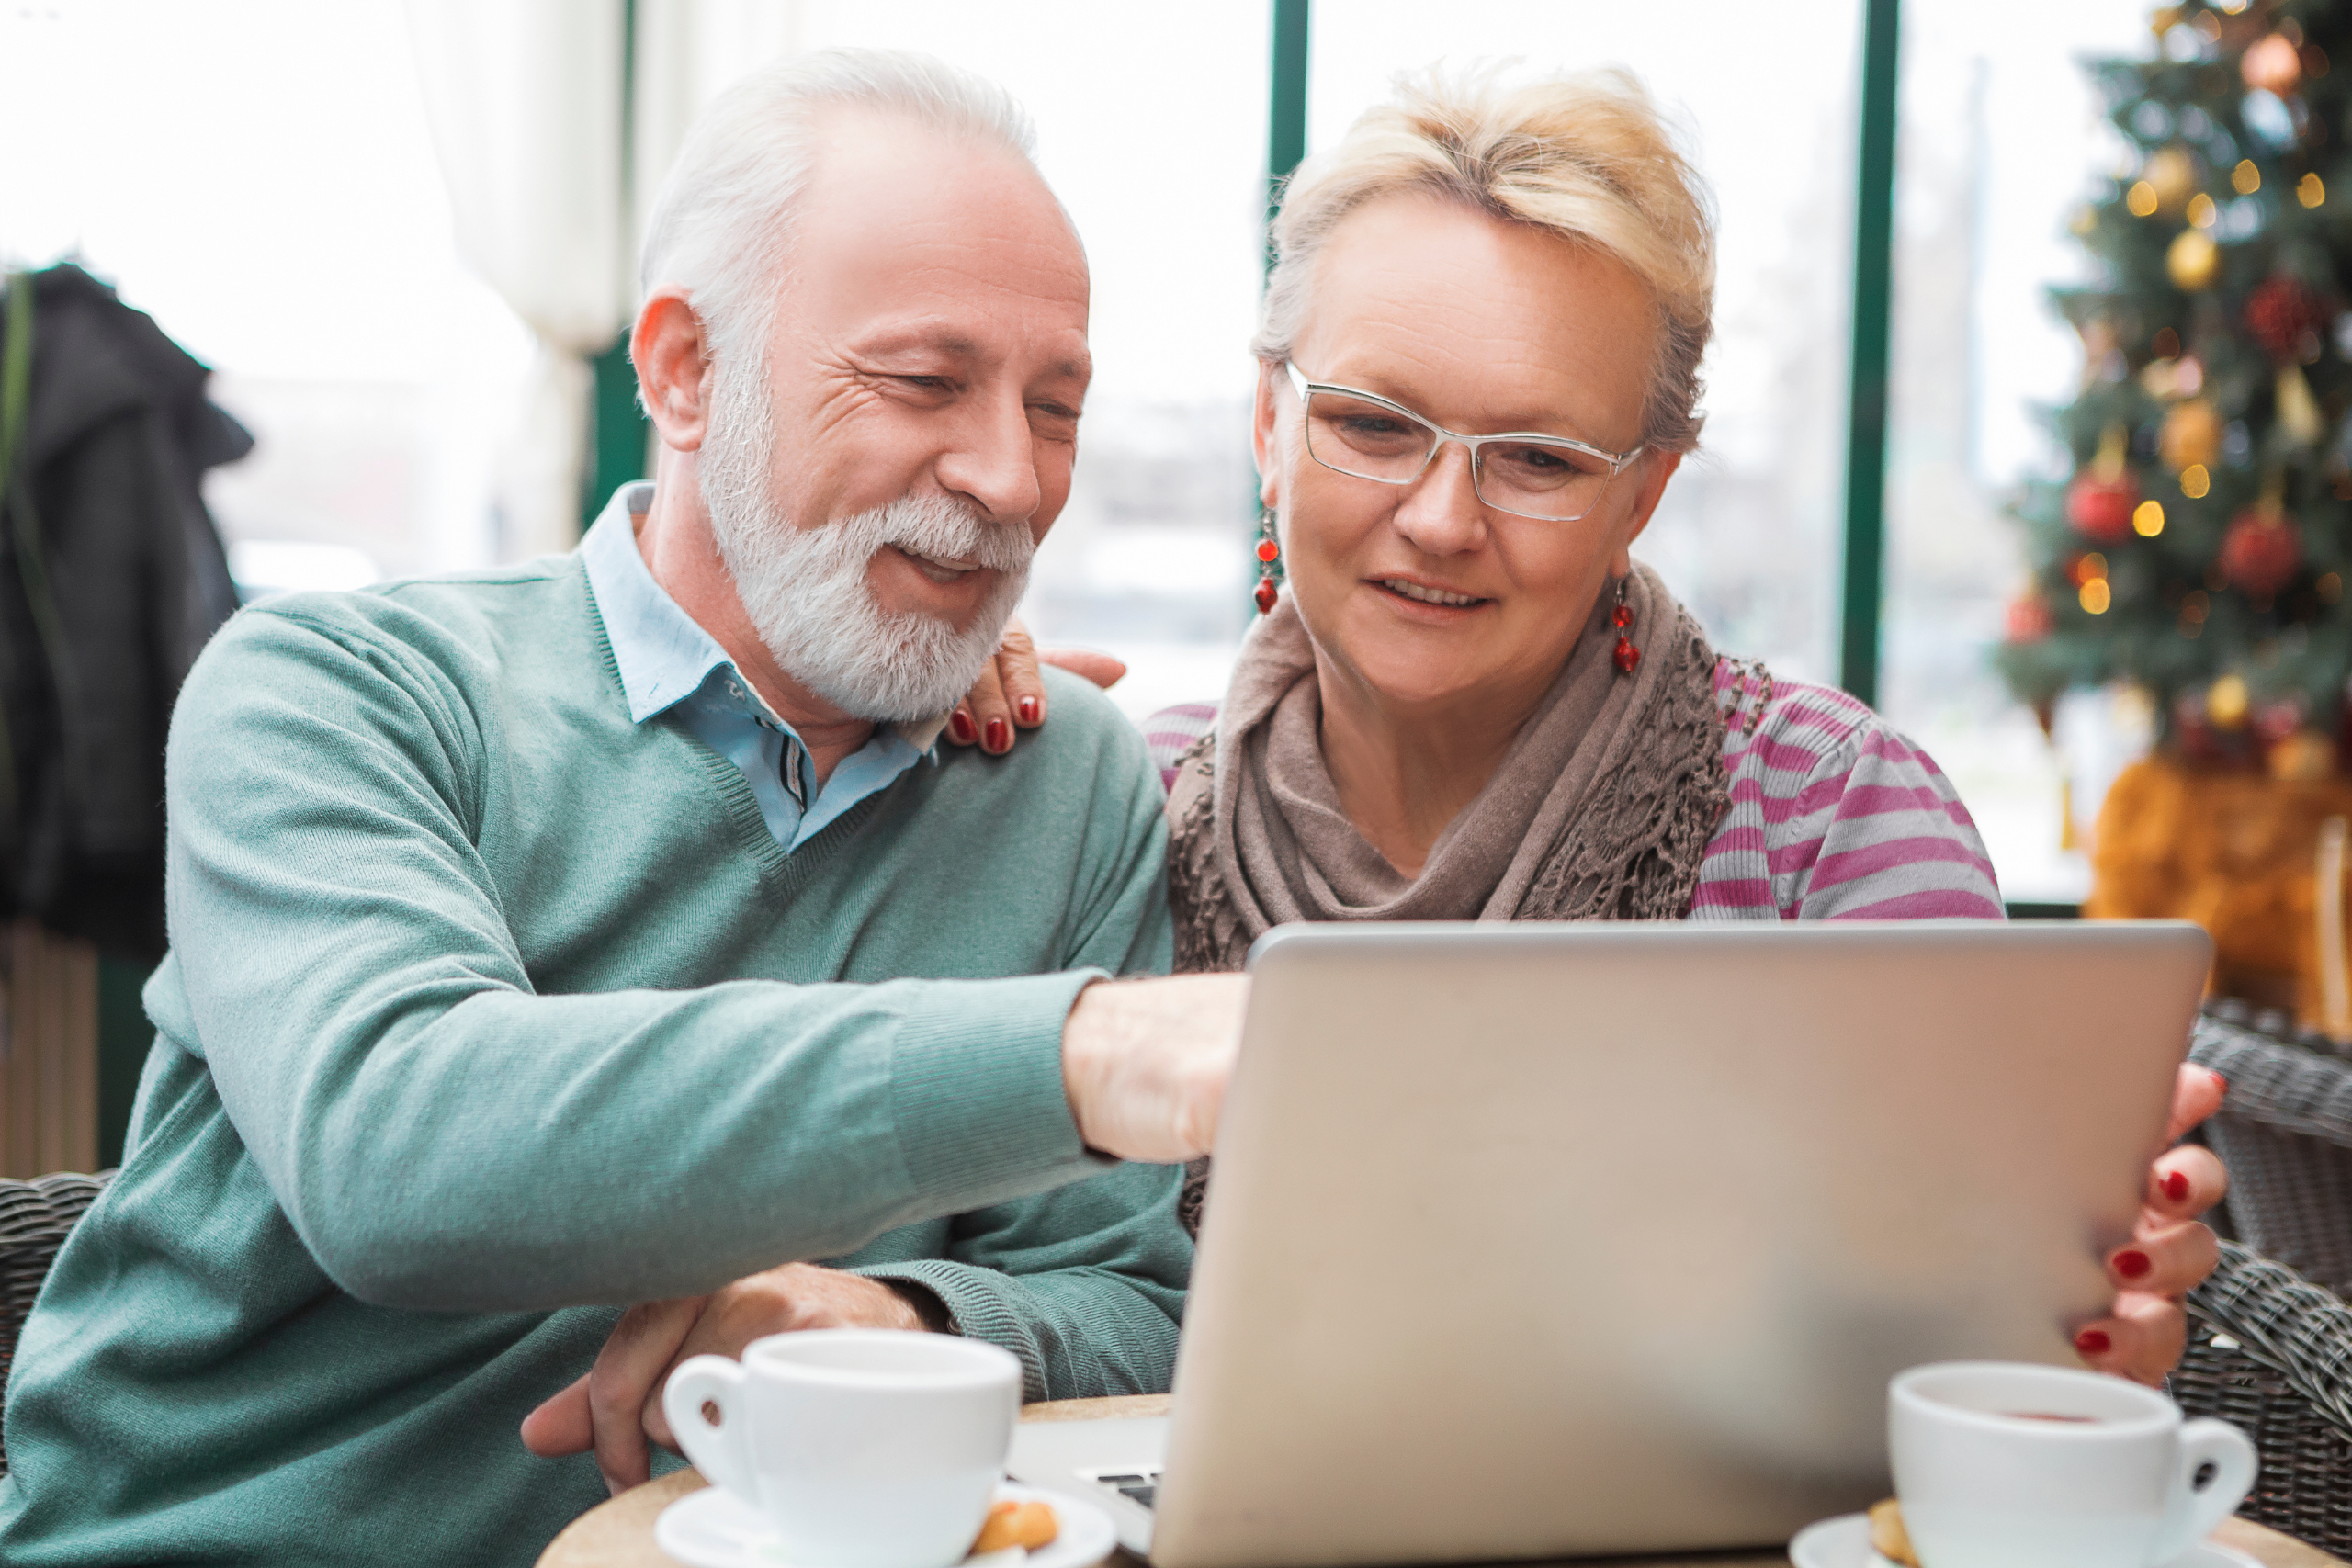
2170,1253
1010,695
617,1406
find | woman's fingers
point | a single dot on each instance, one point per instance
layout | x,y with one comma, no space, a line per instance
2196,1094
1100,668
2170,1261
2141,1339
1016,672
2184,1182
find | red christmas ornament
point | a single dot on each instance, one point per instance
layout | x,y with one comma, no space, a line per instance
2282,313
2100,509
2261,552
2029,619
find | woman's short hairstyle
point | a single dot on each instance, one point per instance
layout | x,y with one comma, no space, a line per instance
722,226
1586,156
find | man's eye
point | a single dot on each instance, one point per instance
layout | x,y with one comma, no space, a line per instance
926,383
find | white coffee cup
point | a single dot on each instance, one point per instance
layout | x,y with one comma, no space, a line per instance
865,1448
2006,1465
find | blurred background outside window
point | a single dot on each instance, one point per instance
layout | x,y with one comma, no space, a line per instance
261,176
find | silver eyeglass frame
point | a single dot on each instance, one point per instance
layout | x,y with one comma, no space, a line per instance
1617,461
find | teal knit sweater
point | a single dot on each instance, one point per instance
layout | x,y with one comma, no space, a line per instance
489,1012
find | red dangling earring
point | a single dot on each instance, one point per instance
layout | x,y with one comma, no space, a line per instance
1270,565
1626,654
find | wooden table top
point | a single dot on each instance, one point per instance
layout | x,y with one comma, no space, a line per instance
619,1534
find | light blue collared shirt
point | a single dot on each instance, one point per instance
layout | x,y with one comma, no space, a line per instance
668,661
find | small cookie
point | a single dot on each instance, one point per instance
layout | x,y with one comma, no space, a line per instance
1888,1538
1030,1525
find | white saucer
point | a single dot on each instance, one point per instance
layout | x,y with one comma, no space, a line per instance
1844,1542
715,1529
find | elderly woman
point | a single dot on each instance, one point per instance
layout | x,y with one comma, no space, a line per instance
1477,373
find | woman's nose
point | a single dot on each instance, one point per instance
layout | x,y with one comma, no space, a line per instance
1441,512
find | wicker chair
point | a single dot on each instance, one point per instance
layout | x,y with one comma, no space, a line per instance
2271,1353
34,1217
2285,1131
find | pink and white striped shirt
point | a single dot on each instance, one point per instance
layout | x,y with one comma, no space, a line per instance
1834,814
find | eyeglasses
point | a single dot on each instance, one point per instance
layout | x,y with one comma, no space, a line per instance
1548,477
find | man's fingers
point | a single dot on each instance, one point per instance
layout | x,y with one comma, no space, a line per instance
2186,1181
2196,1094
2141,1340
636,1355
1100,668
2169,1261
561,1425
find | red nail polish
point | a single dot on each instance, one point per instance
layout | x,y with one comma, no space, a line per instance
959,724
1028,710
2177,1187
999,736
2092,1341
2132,1264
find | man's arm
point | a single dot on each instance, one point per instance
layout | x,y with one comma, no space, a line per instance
442,1137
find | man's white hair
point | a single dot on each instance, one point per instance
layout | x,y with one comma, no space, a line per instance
722,226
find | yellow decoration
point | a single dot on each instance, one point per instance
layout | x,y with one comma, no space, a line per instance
2245,179
2330,586
2201,210
2193,260
2148,519
2195,481
2310,190
2171,172
2090,566
2226,701
2095,596
2298,413
2141,200
2190,435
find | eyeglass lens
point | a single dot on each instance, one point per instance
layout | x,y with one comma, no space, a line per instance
1532,478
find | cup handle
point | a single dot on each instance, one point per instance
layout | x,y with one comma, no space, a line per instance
2196,1511
715,1448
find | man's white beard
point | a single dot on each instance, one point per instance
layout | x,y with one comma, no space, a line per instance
805,588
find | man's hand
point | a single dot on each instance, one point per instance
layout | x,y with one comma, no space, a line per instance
1010,695
2170,1253
617,1405
1145,1063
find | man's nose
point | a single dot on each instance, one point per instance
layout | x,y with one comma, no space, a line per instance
992,460
1441,512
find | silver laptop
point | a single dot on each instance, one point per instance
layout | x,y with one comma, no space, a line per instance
1550,1240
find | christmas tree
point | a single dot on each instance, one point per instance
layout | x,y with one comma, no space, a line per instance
2201,545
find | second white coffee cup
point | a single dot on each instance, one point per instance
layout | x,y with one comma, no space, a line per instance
2006,1465
865,1448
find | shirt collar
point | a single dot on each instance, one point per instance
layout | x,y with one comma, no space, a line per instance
663,654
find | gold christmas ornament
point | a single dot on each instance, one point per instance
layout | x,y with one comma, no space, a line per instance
2245,179
2298,413
2190,435
2171,172
2310,190
2272,65
2193,260
2226,701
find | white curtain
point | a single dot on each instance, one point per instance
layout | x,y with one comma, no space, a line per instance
526,102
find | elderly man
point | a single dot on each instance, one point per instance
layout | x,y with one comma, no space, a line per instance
542,938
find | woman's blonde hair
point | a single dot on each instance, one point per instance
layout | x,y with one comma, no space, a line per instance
1586,156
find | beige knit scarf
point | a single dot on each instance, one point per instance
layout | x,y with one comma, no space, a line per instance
1601,809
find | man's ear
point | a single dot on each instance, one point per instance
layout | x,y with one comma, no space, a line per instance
1264,441
673,368
1657,468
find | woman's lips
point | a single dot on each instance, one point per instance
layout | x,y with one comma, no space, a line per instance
1427,594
